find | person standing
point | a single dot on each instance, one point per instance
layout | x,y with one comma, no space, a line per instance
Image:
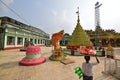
87,67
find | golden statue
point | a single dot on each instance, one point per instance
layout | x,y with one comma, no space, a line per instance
58,53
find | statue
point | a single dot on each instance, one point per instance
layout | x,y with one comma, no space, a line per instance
58,53
58,45
56,37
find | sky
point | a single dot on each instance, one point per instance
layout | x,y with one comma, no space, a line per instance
52,16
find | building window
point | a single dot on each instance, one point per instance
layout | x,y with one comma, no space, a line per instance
10,40
38,41
31,42
19,41
26,39
35,41
41,42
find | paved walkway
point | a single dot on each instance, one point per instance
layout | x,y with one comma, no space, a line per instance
50,70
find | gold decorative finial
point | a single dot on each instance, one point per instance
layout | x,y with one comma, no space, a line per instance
78,11
78,14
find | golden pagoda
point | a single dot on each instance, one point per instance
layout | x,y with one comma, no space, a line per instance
78,38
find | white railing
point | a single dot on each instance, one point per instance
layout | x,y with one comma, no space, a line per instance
112,67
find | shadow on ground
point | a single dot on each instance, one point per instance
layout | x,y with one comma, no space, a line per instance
9,65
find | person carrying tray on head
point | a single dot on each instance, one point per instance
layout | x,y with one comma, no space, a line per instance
87,68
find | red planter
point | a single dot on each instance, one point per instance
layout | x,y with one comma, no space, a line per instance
72,48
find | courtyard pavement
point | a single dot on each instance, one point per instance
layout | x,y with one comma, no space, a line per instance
50,70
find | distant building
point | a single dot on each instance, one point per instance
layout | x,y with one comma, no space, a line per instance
13,34
104,37
65,39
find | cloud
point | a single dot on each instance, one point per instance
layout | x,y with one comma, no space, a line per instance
60,17
7,2
54,13
61,21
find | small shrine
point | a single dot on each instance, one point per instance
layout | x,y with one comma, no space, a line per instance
57,52
111,63
110,51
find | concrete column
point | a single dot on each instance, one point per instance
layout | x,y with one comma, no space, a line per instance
5,43
15,40
36,41
23,41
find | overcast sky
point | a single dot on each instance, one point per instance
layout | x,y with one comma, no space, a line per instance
54,15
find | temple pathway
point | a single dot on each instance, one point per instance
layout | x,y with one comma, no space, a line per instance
50,70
